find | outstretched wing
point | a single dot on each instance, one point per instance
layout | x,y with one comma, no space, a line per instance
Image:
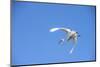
62,29
61,41
75,40
54,29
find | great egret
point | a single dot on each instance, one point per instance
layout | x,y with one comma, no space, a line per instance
71,35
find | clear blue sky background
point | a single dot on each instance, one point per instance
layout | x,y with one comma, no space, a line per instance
32,43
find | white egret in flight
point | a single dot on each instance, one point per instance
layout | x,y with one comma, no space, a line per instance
70,35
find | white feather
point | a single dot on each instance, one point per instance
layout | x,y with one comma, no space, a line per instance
71,34
54,29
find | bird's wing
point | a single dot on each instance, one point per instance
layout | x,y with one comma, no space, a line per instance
61,41
66,30
69,38
63,29
75,40
54,29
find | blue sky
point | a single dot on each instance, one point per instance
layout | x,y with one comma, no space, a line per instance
32,43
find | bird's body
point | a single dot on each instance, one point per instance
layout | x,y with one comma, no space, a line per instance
70,35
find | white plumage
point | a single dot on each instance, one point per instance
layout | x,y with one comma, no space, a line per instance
71,35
